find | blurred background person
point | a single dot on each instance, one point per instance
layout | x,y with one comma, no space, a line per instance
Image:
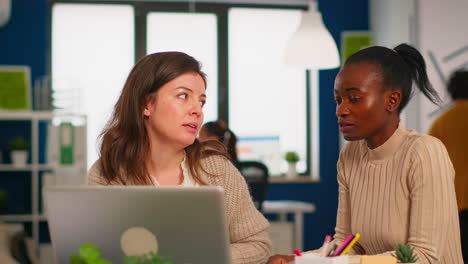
451,128
218,130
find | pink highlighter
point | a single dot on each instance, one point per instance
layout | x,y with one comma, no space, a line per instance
325,246
343,245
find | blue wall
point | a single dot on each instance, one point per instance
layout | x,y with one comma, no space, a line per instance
338,16
25,39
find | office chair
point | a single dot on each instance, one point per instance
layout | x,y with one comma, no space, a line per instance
256,175
464,233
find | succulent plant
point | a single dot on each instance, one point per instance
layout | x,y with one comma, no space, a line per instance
291,156
405,253
18,143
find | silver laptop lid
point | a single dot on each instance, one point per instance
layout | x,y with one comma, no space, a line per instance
187,224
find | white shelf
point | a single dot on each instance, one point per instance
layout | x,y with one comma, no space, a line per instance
42,217
298,179
16,217
28,167
38,115
35,118
25,115
23,217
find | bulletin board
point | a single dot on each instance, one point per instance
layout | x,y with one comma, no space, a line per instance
15,87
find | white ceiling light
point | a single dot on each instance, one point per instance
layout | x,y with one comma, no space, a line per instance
312,46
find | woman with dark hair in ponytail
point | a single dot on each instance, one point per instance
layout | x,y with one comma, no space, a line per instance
396,186
218,130
151,139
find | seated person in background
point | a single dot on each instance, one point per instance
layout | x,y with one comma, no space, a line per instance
219,131
451,128
395,184
151,140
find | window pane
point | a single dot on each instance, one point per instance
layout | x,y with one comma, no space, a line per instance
267,99
194,34
92,54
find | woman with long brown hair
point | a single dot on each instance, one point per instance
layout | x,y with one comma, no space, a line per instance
151,140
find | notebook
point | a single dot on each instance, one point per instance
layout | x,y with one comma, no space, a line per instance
186,224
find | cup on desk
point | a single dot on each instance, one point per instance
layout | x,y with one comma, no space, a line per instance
317,259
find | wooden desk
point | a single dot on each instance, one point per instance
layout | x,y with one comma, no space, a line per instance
298,208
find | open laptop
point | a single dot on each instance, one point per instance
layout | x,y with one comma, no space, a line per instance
186,224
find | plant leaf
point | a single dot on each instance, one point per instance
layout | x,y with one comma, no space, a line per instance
74,259
102,261
133,260
89,252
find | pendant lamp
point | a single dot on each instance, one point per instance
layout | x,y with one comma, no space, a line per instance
312,45
5,11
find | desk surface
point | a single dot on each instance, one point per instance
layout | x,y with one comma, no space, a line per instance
298,179
286,206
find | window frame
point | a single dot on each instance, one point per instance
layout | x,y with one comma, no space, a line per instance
141,10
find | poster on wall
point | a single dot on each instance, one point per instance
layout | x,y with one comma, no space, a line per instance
15,88
445,51
353,41
443,67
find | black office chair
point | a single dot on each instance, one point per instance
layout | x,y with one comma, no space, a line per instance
464,233
256,175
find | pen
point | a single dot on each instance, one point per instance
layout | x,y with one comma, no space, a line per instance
343,245
297,253
351,244
325,245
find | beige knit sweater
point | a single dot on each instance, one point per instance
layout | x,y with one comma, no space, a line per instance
250,243
399,192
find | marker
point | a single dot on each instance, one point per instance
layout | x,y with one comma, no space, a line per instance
351,244
297,253
343,246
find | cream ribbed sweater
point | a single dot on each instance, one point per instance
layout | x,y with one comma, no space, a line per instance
399,192
250,243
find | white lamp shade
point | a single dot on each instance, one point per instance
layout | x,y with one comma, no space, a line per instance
5,10
312,46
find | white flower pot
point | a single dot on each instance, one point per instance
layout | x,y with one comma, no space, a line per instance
19,158
292,172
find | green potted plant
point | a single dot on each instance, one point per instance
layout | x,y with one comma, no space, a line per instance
19,151
405,254
291,158
90,254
